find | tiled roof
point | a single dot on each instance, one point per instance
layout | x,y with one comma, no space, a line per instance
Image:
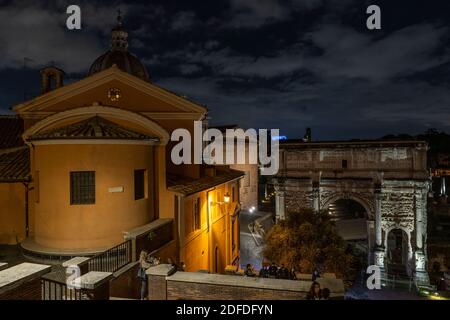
92,128
188,186
11,129
15,165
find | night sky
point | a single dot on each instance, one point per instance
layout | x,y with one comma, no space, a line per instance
257,63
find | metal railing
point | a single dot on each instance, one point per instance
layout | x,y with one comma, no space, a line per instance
112,259
156,238
57,290
399,282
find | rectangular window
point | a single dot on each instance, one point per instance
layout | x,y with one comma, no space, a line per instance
139,184
82,187
233,194
344,164
197,214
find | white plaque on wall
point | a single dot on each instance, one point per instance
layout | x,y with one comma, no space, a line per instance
115,189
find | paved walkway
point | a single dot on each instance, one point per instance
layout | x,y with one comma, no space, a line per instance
251,243
360,292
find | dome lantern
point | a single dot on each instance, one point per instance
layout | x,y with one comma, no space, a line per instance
119,55
119,36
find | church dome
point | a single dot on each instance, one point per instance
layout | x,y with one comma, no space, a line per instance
120,56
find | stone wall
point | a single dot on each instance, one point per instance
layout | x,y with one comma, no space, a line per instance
22,282
166,285
125,283
30,290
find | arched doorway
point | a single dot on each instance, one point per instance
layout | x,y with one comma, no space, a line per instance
397,251
351,220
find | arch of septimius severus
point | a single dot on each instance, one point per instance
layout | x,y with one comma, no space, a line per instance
388,178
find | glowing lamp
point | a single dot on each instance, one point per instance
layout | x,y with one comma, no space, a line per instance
226,198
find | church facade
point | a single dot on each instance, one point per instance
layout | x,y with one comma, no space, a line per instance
83,163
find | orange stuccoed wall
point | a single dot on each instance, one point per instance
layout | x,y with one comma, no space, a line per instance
12,213
59,224
210,246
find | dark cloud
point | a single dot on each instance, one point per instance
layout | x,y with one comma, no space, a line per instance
260,63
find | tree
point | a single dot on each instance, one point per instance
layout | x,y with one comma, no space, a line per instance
306,239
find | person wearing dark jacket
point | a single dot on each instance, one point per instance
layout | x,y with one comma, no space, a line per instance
273,270
315,274
325,294
263,273
249,272
293,276
283,273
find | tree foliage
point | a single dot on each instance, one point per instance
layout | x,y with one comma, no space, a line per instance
306,239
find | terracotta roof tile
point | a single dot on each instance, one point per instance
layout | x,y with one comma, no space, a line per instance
15,165
188,186
11,129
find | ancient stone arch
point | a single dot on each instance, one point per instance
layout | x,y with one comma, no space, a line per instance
389,179
364,199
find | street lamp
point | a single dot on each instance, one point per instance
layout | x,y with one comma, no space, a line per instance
226,199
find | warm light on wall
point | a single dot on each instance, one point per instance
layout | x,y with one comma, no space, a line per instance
226,199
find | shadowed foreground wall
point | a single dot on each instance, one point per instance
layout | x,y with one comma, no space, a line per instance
12,213
164,284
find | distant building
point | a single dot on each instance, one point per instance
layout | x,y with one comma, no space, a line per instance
248,185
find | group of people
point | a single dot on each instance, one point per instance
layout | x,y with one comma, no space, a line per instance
270,271
275,272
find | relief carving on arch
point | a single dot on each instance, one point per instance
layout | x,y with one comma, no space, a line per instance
294,200
397,210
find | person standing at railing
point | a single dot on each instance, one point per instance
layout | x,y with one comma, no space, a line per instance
143,266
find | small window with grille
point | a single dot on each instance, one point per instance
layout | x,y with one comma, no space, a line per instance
82,187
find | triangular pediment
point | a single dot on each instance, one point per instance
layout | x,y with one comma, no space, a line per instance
135,95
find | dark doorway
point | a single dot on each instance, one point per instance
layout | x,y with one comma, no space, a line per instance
397,251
